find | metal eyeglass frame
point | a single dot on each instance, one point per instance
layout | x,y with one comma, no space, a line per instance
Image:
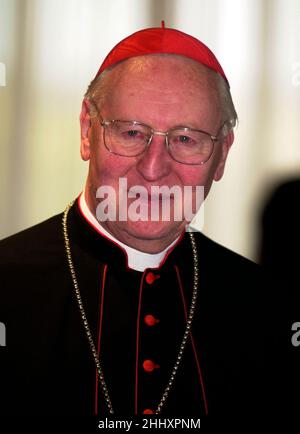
105,123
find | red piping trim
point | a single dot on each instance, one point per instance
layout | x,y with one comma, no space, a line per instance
193,343
99,334
99,232
137,346
170,250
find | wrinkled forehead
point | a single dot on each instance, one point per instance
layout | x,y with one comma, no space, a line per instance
159,70
164,81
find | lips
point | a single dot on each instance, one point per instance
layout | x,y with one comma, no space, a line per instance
150,194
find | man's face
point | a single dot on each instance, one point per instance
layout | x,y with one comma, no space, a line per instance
162,92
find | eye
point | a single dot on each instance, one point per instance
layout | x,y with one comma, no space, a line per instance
184,139
133,135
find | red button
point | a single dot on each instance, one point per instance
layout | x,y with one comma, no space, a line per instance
149,366
150,320
151,277
148,411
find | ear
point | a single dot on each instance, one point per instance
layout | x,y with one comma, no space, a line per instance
85,127
226,145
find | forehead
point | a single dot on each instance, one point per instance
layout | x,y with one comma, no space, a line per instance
160,67
164,81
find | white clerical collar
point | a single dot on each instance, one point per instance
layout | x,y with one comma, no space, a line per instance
136,259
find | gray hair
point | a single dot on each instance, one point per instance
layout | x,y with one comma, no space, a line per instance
96,92
229,114
97,89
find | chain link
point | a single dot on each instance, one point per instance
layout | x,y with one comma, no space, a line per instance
88,330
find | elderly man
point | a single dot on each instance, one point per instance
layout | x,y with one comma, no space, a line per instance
118,313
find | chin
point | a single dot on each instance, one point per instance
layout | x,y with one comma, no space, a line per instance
152,230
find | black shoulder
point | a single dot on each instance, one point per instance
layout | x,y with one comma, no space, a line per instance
229,277
223,256
33,244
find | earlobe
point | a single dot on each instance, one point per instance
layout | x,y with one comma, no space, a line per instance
219,171
85,126
226,145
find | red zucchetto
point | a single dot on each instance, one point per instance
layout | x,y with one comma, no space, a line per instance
158,40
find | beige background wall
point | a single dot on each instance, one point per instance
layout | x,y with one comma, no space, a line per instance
51,49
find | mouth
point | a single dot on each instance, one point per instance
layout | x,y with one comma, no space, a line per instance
152,194
150,197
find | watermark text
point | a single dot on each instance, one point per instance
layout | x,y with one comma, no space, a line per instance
158,203
296,74
2,74
296,336
2,335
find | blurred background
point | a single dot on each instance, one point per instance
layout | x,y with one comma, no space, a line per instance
51,49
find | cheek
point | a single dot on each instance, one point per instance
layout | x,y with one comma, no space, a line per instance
193,175
107,168
198,176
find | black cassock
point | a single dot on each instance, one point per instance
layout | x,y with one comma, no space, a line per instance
238,360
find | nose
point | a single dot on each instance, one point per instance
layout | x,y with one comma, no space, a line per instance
155,162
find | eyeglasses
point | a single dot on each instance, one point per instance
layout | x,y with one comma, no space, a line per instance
131,138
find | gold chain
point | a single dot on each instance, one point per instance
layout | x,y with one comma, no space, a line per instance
88,330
